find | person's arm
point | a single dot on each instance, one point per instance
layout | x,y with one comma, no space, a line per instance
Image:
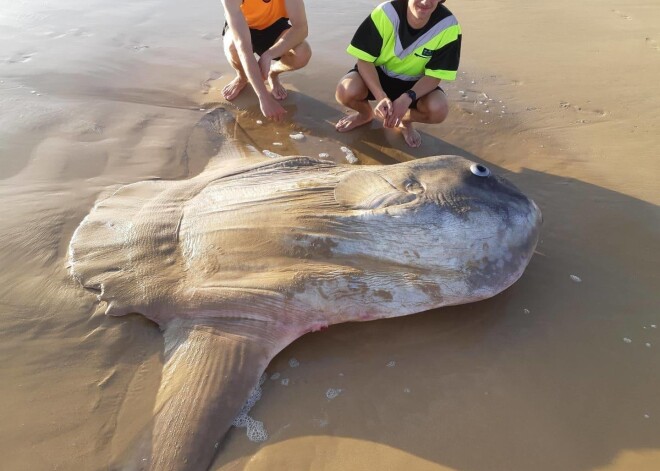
366,47
367,71
400,106
424,86
241,35
369,74
294,35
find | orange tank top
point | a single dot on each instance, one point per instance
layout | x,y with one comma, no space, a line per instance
260,14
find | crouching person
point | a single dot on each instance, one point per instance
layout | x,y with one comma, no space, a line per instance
275,30
404,49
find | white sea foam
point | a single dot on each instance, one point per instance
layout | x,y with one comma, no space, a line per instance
256,431
271,154
350,156
333,393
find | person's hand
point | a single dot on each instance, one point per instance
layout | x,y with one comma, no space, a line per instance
383,109
264,64
399,109
270,108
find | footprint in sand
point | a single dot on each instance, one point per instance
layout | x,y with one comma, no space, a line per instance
597,112
653,44
622,15
20,57
212,37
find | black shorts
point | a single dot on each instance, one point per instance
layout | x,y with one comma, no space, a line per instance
263,39
393,87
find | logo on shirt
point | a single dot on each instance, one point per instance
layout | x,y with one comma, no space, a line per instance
426,53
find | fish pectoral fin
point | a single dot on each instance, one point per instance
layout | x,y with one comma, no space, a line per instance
210,370
366,189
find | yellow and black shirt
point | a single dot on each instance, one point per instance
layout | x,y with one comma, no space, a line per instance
386,39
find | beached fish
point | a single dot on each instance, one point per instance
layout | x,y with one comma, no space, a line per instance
239,261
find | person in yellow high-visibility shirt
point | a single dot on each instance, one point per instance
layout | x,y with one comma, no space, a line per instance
403,50
273,29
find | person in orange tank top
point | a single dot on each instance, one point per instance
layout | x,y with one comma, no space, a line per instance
275,30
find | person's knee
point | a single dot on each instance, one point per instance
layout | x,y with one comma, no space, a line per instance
341,93
351,87
230,48
346,91
437,108
298,57
303,53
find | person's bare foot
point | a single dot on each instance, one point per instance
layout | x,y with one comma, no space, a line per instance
410,135
234,88
276,88
353,121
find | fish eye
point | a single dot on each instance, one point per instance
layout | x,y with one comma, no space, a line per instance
479,170
413,186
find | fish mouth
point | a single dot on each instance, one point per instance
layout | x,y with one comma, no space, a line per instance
538,212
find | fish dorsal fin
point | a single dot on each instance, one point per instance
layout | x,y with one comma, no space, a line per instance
210,369
218,140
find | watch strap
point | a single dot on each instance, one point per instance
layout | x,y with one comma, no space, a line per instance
412,95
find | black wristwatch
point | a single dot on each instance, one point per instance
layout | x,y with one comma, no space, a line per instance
412,95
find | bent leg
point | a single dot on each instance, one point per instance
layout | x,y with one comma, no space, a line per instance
295,59
236,86
353,92
432,108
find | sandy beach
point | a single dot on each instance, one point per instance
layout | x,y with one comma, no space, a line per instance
559,372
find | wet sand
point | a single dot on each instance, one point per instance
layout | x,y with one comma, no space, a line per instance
558,372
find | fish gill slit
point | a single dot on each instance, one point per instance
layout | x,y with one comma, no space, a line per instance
178,228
